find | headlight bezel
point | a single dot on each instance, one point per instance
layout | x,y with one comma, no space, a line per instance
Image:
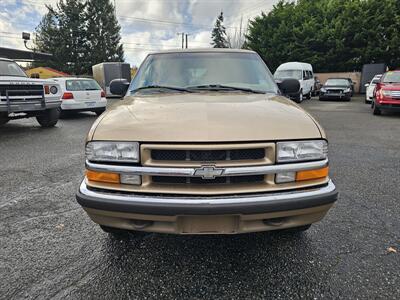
124,151
297,156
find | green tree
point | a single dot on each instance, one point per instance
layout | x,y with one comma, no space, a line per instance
218,34
333,35
79,34
61,33
102,33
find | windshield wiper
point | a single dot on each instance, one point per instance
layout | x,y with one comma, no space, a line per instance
174,88
219,87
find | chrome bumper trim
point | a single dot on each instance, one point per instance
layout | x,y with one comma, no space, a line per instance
190,172
212,200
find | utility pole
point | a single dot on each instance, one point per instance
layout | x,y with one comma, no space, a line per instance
182,34
186,39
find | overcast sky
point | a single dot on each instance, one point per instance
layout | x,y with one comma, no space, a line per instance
147,25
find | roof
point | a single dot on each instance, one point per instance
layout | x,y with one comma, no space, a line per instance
24,55
197,50
72,78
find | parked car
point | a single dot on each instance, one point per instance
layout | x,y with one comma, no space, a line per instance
369,95
387,93
23,97
336,89
352,85
300,71
81,94
205,144
317,86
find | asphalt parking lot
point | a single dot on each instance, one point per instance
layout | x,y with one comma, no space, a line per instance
50,249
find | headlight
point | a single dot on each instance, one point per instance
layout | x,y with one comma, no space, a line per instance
113,151
323,90
348,90
387,93
301,151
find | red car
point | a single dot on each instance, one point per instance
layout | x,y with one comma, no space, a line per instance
387,93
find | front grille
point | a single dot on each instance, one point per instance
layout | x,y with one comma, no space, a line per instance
216,181
208,155
396,94
334,91
21,90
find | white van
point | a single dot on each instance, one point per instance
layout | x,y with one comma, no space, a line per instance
300,71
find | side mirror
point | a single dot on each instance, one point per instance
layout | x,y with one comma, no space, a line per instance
119,86
289,86
367,84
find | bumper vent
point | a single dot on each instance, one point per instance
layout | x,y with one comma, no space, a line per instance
216,181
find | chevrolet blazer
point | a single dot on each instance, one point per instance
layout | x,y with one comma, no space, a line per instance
204,142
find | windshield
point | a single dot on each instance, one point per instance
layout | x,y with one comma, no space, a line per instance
391,77
296,74
10,68
81,85
188,70
339,82
375,80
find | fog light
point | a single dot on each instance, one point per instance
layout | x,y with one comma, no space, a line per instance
285,177
131,179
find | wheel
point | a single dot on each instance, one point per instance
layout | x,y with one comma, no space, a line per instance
62,112
116,232
99,111
299,98
4,120
375,110
49,118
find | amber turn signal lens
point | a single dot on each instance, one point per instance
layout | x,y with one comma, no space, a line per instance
46,89
312,174
102,177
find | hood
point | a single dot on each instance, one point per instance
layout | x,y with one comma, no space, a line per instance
205,117
391,86
336,87
24,80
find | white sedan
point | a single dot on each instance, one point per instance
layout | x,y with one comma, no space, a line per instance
369,95
81,94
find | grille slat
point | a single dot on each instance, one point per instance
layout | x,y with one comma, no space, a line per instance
20,90
208,155
216,181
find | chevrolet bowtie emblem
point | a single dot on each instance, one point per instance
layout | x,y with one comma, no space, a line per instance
208,172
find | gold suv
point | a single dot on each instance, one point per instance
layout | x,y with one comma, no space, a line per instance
205,143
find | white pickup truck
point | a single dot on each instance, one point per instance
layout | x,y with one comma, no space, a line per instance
23,97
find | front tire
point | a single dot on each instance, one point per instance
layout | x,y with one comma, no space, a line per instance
116,232
4,120
299,97
375,110
99,111
49,118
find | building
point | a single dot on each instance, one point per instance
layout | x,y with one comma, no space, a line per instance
45,72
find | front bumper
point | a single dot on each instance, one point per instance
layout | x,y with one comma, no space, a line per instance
339,96
83,105
207,214
389,105
27,106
